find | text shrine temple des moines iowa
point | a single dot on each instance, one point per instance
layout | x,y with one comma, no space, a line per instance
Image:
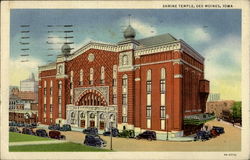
139,84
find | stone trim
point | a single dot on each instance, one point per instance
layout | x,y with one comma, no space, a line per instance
178,76
137,79
166,61
47,67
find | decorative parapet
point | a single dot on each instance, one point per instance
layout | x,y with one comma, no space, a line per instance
159,48
47,67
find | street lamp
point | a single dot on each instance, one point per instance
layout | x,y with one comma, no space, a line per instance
110,128
167,116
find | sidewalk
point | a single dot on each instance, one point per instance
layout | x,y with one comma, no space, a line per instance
36,142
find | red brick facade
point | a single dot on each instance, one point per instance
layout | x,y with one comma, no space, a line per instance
185,92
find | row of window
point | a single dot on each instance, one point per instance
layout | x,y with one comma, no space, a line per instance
162,112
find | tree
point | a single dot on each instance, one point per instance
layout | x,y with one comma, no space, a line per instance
236,110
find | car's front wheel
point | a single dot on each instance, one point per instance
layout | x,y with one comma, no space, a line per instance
150,138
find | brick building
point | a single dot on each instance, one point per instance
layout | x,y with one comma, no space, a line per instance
139,84
217,107
23,106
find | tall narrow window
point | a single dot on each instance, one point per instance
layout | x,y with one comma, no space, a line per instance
81,78
124,97
163,112
51,108
71,86
125,60
91,76
60,99
148,112
114,75
102,75
148,93
114,99
45,88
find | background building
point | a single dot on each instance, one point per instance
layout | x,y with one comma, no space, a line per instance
217,107
29,85
213,97
144,84
23,106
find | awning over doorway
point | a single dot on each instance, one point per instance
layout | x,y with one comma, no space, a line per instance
197,119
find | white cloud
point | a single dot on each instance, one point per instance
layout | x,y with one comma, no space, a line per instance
21,70
144,29
200,34
223,67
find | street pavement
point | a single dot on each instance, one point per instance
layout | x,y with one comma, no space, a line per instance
229,141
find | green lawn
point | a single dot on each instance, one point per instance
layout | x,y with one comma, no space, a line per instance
60,147
18,137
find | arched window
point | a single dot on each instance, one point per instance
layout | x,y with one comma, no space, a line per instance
72,115
102,116
112,118
91,76
163,73
82,115
163,81
149,81
71,76
125,60
92,115
149,75
102,75
81,77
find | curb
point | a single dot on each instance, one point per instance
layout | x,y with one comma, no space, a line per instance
37,142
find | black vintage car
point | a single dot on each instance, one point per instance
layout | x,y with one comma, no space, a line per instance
54,127
94,140
149,135
28,131
65,127
41,133
115,132
14,129
90,130
202,135
219,130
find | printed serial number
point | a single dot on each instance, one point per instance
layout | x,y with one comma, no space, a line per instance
230,154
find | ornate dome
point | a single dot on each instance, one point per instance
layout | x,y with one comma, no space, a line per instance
65,49
129,32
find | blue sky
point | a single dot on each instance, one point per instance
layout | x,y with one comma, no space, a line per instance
215,34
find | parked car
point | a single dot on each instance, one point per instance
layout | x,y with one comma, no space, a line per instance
90,130
115,132
14,129
33,125
202,135
94,140
127,134
11,123
27,125
219,130
20,125
28,131
41,133
149,135
213,133
54,127
65,127
56,135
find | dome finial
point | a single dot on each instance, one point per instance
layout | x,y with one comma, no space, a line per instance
129,32
65,49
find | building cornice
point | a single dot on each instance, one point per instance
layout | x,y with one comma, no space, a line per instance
47,67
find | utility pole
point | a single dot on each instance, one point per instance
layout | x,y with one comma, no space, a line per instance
110,136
